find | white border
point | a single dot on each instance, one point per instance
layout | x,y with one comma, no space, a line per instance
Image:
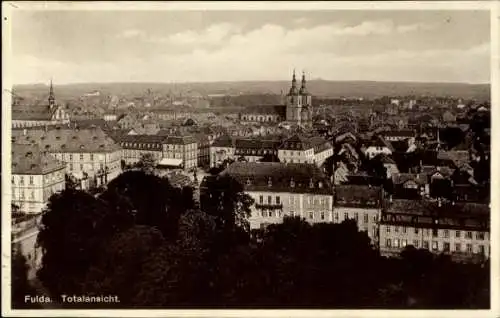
7,7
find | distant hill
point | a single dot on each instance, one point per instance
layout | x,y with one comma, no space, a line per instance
365,89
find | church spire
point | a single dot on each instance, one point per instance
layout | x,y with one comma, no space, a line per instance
52,98
293,89
303,89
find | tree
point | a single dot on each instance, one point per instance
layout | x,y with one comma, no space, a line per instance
19,280
73,227
118,266
226,200
154,201
146,163
268,157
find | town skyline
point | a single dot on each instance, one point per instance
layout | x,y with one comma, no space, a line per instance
240,46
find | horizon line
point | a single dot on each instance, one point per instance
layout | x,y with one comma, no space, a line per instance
250,81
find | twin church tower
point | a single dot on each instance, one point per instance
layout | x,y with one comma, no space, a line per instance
299,103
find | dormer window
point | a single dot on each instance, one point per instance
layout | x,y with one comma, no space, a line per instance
292,183
249,182
320,185
311,184
270,182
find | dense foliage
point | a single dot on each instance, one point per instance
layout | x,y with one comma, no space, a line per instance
143,241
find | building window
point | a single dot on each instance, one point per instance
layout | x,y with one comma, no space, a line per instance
469,248
434,232
346,216
481,249
322,215
13,180
91,157
81,156
426,245
457,234
70,167
261,199
311,215
434,245
479,236
469,235
277,200
264,214
356,216
446,233
458,247
365,218
404,229
31,180
271,214
415,243
32,195
396,242
446,247
70,156
416,230
269,199
404,243
21,180
388,242
336,217
396,229
388,229
292,214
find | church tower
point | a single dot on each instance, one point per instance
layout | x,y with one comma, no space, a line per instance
52,98
299,103
293,102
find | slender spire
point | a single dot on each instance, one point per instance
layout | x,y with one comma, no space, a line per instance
294,80
303,79
52,98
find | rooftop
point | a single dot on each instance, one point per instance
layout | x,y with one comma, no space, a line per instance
30,159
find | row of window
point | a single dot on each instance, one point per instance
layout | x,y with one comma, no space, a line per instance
278,213
435,232
355,216
435,246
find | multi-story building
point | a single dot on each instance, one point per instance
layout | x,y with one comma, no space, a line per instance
243,149
461,230
301,149
182,147
135,146
281,190
36,175
39,115
360,203
90,155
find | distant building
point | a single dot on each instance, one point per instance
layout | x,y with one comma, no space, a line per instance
91,156
281,190
297,109
36,115
360,203
302,149
36,175
378,146
460,230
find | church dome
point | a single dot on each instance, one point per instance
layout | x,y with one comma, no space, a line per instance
293,91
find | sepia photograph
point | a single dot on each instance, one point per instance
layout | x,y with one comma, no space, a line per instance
248,155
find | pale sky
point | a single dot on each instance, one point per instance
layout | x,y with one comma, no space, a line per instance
200,46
